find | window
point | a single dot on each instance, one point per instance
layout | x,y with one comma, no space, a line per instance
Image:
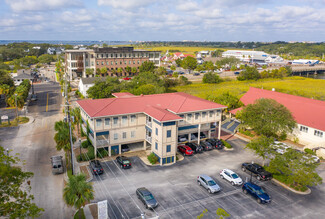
218,112
129,62
133,62
169,133
120,62
107,63
138,62
189,116
125,62
115,120
168,148
318,133
156,146
111,62
211,114
115,136
102,63
197,116
124,135
304,129
107,121
132,134
98,122
156,131
203,115
124,120
97,63
133,117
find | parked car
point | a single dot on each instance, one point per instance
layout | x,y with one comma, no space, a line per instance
185,150
195,147
147,198
202,135
125,148
57,164
127,78
123,161
257,171
196,74
231,177
216,143
182,138
236,72
206,145
34,97
193,137
280,147
96,167
208,183
256,192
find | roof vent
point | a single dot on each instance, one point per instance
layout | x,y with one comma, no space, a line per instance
273,89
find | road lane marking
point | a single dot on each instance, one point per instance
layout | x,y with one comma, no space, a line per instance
47,102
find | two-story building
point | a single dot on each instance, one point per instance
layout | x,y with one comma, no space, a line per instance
151,121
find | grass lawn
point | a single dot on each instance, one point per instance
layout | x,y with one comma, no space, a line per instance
22,120
300,86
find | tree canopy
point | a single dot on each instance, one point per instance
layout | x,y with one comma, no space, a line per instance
268,117
15,200
249,73
227,99
189,63
211,78
147,66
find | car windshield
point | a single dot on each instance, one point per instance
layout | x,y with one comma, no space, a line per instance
148,197
126,162
189,150
234,176
260,191
211,183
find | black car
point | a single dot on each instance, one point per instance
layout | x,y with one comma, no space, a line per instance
96,167
206,145
195,147
202,135
256,192
123,161
257,170
147,198
125,148
216,143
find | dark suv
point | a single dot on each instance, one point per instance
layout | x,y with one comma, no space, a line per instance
206,145
123,161
257,171
147,198
195,147
96,167
256,192
216,143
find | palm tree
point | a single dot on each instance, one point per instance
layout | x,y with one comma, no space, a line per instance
77,191
77,117
5,90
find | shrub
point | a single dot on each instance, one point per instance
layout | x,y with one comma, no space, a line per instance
90,155
211,78
226,144
246,132
153,159
309,151
283,136
85,144
102,152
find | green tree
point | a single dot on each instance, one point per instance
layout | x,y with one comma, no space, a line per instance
268,117
189,63
249,73
145,89
209,66
15,200
175,74
46,59
233,68
89,71
147,66
173,67
75,112
134,70
230,61
128,69
161,71
104,89
211,78
103,70
298,169
227,99
262,146
178,62
78,191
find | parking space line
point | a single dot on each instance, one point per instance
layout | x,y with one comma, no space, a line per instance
182,206
122,209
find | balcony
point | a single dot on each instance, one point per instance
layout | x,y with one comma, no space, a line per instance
149,139
149,124
102,140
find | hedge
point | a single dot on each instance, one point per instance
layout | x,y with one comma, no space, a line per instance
226,144
153,159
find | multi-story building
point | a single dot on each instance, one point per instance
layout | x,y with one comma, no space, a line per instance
149,121
114,59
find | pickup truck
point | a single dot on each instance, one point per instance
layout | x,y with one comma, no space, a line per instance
257,171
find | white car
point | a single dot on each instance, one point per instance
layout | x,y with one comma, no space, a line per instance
231,176
280,147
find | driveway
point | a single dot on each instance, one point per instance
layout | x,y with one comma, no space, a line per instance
179,196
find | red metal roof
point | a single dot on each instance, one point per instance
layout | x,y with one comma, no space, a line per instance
234,111
122,95
306,111
162,107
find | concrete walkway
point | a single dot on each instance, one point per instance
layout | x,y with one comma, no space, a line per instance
87,212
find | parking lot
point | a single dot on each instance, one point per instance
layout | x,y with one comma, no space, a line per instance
175,188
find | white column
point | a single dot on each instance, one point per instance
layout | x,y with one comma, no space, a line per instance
198,135
219,129
109,151
95,145
119,149
144,144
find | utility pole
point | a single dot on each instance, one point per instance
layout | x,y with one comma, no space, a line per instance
16,109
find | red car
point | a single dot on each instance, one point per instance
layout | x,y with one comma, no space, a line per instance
184,149
126,78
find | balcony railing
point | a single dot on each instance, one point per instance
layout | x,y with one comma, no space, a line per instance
100,140
149,124
149,139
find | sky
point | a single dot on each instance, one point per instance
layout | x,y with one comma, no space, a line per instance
163,20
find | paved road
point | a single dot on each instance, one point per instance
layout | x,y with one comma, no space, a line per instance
34,143
179,196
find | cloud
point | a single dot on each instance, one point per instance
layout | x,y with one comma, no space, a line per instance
41,5
125,4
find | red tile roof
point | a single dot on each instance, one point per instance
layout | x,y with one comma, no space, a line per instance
306,111
162,107
234,111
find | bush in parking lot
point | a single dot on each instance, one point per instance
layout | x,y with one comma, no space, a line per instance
245,132
90,155
226,144
85,144
309,151
102,152
153,159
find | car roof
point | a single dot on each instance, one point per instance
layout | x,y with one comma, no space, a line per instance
254,186
229,171
144,190
124,158
206,177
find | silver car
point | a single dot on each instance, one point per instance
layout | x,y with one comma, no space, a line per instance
208,183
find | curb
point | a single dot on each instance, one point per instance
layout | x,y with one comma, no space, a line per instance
228,149
90,174
307,192
31,120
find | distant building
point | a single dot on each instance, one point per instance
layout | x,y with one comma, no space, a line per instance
36,47
203,54
21,77
305,62
78,61
308,113
159,122
246,55
86,83
54,50
274,59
